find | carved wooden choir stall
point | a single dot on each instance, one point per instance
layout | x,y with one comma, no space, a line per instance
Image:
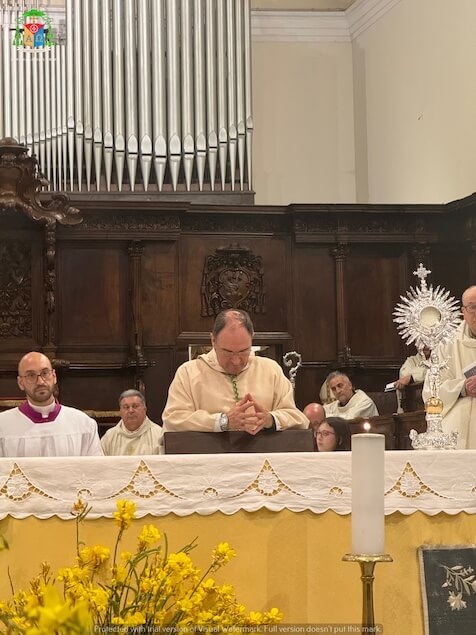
118,288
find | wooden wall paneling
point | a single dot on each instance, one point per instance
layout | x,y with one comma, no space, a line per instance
158,375
279,296
160,293
194,250
93,389
94,300
192,254
375,278
472,263
315,302
309,380
22,299
150,255
451,268
420,253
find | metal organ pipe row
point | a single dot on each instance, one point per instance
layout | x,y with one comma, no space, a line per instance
139,95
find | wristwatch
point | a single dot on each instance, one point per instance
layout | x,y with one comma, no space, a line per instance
223,422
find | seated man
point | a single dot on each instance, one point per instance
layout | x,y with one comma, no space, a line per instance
413,369
230,388
458,380
40,426
135,433
313,412
349,403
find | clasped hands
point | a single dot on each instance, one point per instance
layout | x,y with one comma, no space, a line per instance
249,415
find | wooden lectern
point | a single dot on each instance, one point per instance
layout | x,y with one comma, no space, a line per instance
222,442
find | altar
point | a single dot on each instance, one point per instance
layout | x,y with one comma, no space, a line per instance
287,515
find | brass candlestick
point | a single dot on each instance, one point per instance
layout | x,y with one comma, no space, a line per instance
367,564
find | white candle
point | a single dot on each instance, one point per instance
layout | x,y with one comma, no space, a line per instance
368,488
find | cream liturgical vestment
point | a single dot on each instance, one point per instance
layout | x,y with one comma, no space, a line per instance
459,412
413,366
201,390
54,430
359,405
147,439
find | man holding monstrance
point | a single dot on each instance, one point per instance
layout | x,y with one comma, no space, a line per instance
457,388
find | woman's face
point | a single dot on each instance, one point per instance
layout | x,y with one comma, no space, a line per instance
326,438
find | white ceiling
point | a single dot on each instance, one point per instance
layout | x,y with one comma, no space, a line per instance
301,5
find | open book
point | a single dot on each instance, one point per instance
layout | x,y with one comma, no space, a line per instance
469,370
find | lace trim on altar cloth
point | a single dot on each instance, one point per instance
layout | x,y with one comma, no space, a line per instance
431,482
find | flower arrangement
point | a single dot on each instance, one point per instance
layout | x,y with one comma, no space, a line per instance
151,590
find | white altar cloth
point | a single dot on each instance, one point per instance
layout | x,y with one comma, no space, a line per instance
431,482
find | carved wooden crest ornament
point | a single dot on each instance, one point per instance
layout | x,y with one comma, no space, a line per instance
20,186
20,190
232,278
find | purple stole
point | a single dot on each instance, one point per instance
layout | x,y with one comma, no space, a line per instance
36,416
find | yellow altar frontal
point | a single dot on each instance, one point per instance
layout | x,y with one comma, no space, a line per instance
287,515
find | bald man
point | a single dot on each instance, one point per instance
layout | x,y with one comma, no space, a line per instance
41,426
230,388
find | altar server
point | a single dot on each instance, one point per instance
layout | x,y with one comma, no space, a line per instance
230,388
458,380
41,426
135,433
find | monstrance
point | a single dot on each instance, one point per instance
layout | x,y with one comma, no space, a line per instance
429,317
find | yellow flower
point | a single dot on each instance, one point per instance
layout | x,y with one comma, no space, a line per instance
126,512
99,598
134,619
223,553
56,615
180,563
185,605
254,618
273,616
93,556
147,588
120,574
226,591
148,536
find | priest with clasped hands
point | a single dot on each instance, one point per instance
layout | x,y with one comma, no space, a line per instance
458,379
41,426
230,388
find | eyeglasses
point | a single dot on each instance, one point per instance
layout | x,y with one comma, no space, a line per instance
31,377
471,308
323,433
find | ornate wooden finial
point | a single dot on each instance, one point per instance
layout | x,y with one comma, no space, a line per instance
21,184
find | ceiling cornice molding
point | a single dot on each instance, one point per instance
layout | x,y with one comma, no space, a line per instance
299,26
318,26
365,13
